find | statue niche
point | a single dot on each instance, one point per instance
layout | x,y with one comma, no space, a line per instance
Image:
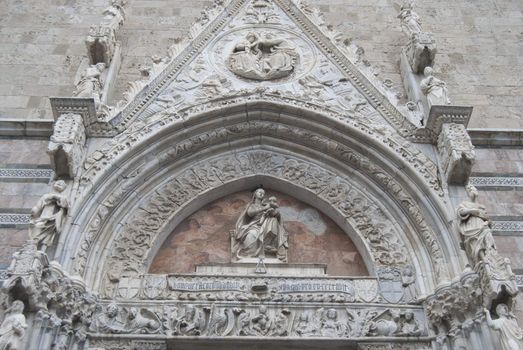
263,58
259,231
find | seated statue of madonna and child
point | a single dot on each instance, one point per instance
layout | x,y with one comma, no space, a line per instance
259,231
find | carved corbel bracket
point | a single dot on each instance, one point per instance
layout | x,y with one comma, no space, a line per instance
85,107
456,153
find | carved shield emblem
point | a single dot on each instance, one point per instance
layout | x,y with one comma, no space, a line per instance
153,286
128,287
367,290
391,291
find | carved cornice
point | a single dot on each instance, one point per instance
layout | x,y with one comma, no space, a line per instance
86,108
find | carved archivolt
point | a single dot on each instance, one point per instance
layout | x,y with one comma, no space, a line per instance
132,246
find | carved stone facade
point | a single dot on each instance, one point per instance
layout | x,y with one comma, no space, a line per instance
262,97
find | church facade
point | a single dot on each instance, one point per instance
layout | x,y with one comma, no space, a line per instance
261,184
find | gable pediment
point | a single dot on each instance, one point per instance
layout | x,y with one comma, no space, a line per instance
310,63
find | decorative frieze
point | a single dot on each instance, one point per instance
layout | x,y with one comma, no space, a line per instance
265,320
496,182
22,175
9,219
507,226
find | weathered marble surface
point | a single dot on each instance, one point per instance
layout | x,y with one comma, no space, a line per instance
204,237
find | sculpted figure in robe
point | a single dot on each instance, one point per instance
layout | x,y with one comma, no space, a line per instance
507,327
48,216
435,89
475,228
13,328
410,21
259,230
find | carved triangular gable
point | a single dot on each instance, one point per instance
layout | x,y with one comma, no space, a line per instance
322,72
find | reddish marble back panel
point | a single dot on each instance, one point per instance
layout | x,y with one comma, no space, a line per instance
203,237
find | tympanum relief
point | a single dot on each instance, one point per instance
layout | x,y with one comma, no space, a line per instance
204,237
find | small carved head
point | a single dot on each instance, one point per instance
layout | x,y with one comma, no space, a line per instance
332,314
471,191
17,307
428,71
411,105
251,37
112,310
409,315
259,193
502,310
59,186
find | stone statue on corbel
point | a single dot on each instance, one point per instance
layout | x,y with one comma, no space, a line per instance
475,227
48,216
435,89
91,83
421,48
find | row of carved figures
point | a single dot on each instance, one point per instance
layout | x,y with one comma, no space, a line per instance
192,320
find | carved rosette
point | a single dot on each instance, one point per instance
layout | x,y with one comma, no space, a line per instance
456,152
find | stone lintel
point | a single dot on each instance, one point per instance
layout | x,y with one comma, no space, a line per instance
273,269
